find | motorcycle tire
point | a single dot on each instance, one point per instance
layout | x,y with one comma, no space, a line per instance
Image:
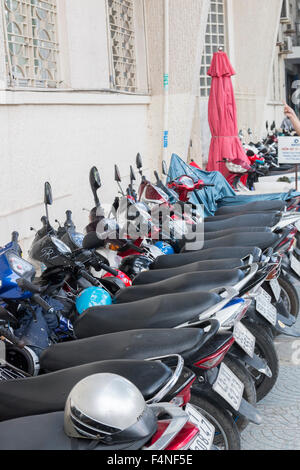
289,295
264,348
249,394
227,435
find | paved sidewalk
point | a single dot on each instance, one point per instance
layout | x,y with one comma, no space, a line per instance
281,408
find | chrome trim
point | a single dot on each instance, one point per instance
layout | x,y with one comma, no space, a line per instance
248,260
213,310
179,418
253,270
173,380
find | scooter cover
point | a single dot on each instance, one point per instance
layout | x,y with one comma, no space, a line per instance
221,194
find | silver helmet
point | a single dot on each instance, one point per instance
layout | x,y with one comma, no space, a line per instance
110,409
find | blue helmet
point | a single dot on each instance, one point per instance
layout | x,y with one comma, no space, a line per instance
165,248
92,297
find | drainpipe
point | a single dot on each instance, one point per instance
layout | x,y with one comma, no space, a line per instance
166,79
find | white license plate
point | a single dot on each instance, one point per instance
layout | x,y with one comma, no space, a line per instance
229,387
244,338
275,286
265,308
206,434
295,265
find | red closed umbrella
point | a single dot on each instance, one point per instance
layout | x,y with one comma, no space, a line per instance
222,116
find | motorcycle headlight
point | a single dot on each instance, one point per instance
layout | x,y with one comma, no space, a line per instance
235,168
19,265
61,246
77,239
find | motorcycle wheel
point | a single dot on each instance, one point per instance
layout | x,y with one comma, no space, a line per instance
265,349
249,394
227,435
289,295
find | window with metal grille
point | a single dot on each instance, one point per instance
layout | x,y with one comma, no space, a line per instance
214,39
31,43
122,43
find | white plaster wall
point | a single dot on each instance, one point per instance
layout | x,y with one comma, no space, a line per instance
59,144
187,29
255,28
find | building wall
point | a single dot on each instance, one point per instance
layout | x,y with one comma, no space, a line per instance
254,55
58,135
187,29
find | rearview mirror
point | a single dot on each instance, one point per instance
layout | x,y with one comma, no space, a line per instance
95,182
267,125
117,174
48,199
164,168
139,162
132,174
95,179
273,126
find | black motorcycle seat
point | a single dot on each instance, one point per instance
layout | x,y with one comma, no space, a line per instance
156,275
164,311
48,393
253,207
189,282
224,233
218,218
255,220
46,432
261,240
175,261
135,344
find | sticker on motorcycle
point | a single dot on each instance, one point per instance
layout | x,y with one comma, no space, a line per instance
229,387
205,438
265,308
276,289
295,265
244,338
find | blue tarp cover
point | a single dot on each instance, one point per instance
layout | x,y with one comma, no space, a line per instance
222,193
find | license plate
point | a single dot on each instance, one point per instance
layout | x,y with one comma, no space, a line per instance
276,289
244,338
205,438
265,308
229,387
295,265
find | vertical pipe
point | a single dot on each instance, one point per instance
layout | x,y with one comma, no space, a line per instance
166,78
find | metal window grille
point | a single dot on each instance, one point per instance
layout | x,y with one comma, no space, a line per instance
32,47
214,39
122,41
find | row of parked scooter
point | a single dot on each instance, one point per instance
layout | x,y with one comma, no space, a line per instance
262,158
119,339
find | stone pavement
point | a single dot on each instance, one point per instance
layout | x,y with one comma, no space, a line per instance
281,408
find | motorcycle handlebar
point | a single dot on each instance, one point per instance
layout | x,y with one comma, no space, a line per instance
15,237
108,269
7,334
24,284
88,277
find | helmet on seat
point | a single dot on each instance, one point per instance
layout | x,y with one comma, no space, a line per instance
92,297
165,248
109,409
